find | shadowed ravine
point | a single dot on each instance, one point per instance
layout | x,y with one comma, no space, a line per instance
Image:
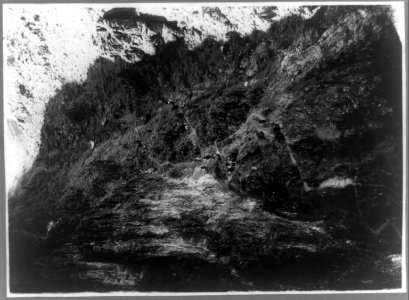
267,162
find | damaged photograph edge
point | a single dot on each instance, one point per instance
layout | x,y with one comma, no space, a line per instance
400,293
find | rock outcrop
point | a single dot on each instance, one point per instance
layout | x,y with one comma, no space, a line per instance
46,47
232,165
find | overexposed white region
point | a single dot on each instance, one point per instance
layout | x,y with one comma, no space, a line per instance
398,9
217,19
45,46
195,24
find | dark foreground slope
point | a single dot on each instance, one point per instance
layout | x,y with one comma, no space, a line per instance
268,162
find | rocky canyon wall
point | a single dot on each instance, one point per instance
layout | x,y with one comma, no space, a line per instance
48,46
181,153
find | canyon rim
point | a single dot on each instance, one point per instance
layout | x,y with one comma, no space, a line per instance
204,148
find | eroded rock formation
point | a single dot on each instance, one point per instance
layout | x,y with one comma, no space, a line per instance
228,166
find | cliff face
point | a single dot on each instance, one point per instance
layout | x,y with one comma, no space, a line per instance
212,167
48,46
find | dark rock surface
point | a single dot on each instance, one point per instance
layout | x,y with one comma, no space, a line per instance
234,166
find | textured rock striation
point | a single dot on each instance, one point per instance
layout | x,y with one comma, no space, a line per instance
236,164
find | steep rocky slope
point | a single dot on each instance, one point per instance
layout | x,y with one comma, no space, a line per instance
237,164
48,46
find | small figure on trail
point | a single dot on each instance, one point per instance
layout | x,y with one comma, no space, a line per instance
91,145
